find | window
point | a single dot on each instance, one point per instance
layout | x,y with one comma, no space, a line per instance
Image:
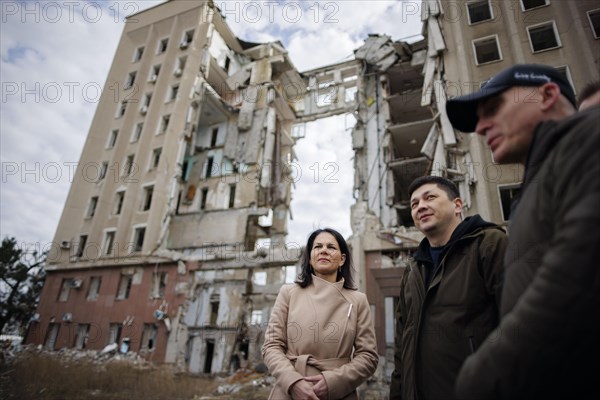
82,336
173,93
180,66
122,109
148,191
543,37
65,288
204,193
159,284
81,246
155,158
128,167
507,194
209,167
214,136
137,55
94,288
149,337
92,207
530,4
566,73
52,335
479,11
214,309
124,287
112,138
119,198
103,169
162,46
138,238
114,332
256,318
187,39
487,50
137,132
146,103
164,124
109,242
154,73
594,18
130,80
231,196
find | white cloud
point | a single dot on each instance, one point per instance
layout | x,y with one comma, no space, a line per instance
48,59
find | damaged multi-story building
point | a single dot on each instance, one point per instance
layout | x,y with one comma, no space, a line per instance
173,236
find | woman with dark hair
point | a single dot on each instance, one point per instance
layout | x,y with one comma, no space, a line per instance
320,342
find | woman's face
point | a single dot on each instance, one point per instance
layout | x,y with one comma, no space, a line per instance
326,256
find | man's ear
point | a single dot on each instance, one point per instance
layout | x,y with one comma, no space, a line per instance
550,93
458,205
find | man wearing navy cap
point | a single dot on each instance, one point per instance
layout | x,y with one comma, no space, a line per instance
548,342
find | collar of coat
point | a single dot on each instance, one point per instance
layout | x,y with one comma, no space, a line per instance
467,227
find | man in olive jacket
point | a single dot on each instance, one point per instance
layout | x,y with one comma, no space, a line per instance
547,345
449,295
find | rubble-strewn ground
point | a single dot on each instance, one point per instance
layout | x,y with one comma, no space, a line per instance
32,373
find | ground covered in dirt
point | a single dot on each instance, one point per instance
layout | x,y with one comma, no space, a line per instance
33,373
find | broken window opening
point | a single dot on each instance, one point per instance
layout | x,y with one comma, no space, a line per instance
114,333
148,192
128,167
65,289
162,46
52,335
137,132
124,287
149,337
203,200
164,124
154,73
94,288
82,336
256,318
159,285
122,109
231,196
112,139
138,238
214,309
103,169
155,157
92,206
137,55
210,350
119,198
130,80
81,245
507,194
109,239
174,92
213,138
209,167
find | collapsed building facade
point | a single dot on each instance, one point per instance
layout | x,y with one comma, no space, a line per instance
172,239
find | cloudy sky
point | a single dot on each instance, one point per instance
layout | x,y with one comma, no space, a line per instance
55,57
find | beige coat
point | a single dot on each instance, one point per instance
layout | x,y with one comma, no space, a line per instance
314,330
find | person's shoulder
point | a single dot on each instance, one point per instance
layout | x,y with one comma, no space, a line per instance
287,288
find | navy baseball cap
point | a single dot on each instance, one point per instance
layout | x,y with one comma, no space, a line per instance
462,111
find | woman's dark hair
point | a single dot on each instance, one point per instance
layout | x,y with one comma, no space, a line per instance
305,276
